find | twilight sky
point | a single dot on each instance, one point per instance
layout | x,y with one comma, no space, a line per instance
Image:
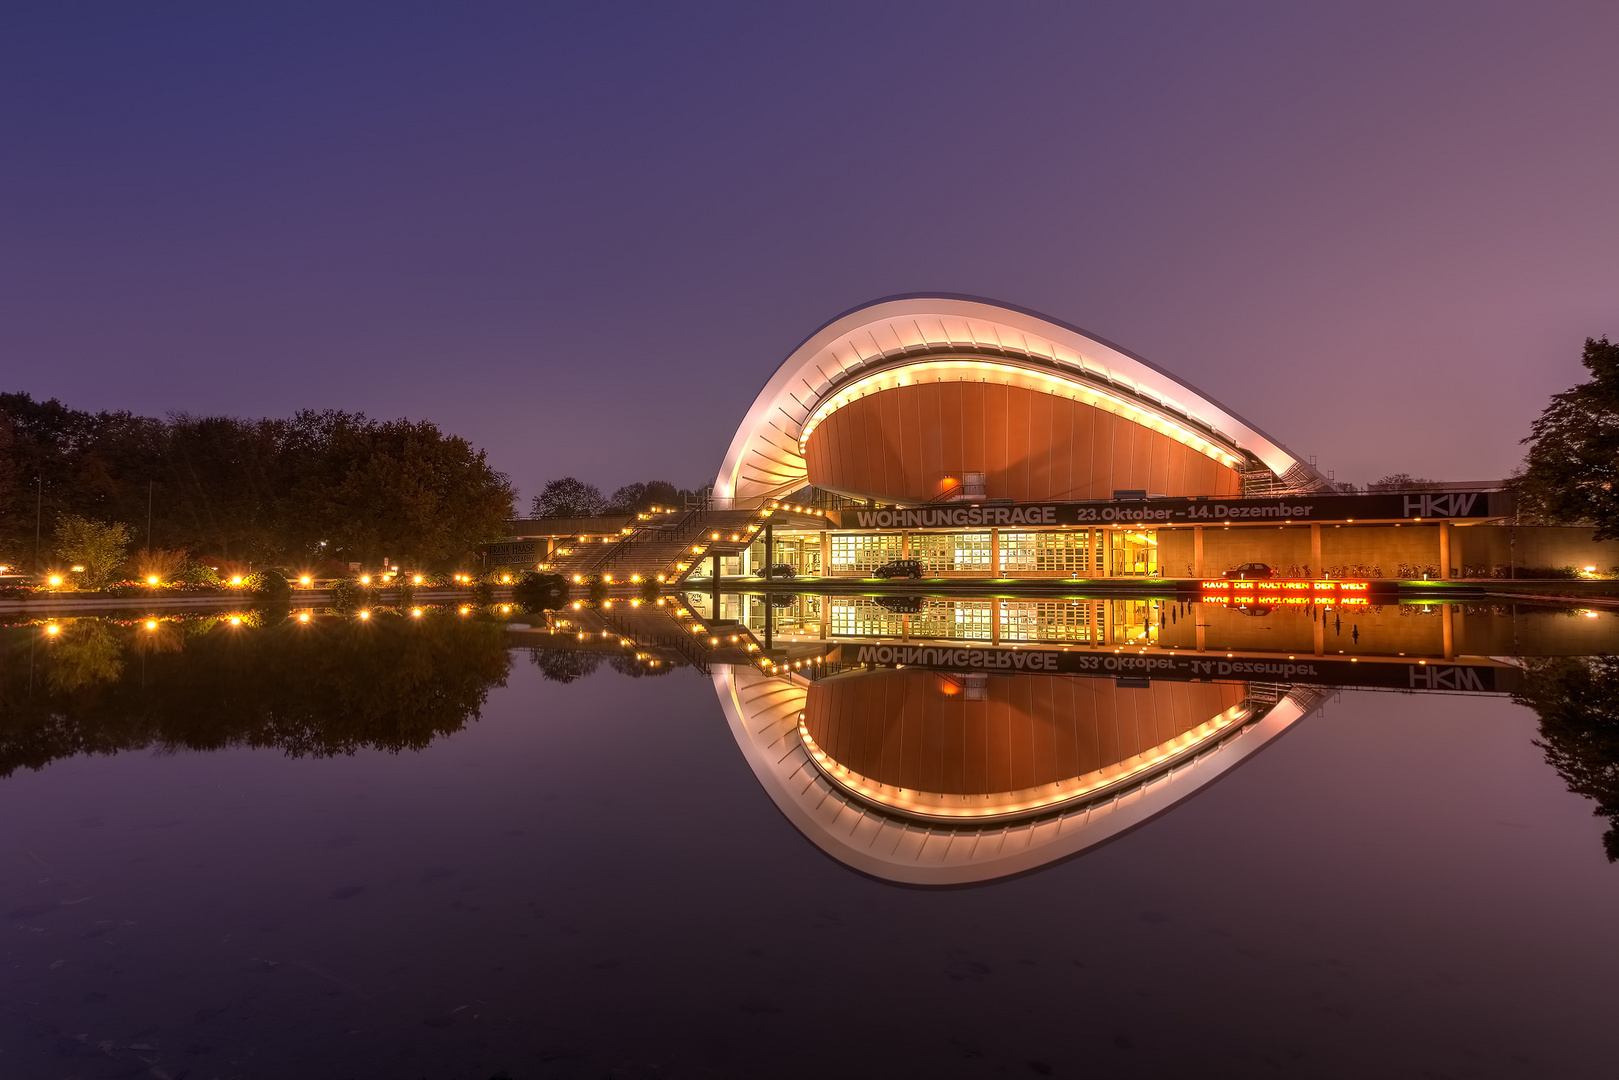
584,235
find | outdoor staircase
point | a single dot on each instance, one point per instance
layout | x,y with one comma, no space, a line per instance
662,546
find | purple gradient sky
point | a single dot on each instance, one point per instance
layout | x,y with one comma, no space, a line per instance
583,236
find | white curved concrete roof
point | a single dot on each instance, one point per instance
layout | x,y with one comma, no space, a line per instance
763,713
765,457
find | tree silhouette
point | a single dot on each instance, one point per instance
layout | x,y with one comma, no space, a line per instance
1577,699
568,497
1571,474
327,687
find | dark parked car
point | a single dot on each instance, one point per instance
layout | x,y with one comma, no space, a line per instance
1250,571
893,568
782,570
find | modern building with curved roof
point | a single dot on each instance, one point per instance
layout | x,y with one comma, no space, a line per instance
916,399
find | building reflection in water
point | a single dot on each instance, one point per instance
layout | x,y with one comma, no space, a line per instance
940,740
935,778
919,739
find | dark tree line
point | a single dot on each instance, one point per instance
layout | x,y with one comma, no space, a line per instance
260,492
319,689
571,497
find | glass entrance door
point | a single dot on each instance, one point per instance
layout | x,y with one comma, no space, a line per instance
1135,553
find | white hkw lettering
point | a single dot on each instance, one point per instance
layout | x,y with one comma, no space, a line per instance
1455,504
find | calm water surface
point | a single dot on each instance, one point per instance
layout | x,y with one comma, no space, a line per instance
413,851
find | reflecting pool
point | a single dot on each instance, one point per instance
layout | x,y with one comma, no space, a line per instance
678,840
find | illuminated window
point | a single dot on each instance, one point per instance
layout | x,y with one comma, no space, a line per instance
1049,620
863,551
859,617
942,552
1066,552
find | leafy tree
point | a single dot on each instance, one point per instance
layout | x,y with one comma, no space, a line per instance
329,484
406,490
1571,473
569,497
1577,699
97,546
87,654
634,498
564,665
1403,482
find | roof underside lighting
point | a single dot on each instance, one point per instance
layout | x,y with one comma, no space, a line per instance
1045,382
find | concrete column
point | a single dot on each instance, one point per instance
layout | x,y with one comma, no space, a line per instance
994,553
1446,619
905,545
905,628
1315,553
1197,551
826,558
994,622
1444,573
1320,628
1098,561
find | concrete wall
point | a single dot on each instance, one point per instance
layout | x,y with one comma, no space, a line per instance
1385,546
1533,546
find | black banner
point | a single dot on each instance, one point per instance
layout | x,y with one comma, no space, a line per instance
1184,667
1467,505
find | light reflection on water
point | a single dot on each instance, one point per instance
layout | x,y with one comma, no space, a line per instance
445,847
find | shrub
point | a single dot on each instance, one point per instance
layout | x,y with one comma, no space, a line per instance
269,586
540,592
197,574
349,595
162,563
483,593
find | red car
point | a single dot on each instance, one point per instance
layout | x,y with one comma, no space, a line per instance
1249,571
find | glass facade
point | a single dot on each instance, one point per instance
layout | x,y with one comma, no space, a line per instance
863,551
1051,620
951,620
1052,553
1066,553
944,552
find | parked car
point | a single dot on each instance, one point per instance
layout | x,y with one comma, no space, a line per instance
893,568
782,570
1250,571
